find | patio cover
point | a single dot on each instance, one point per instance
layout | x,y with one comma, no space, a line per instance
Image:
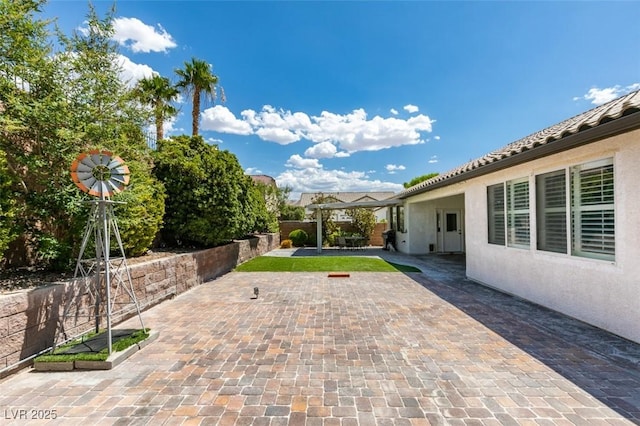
339,206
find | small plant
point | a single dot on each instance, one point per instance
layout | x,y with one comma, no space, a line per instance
286,244
298,237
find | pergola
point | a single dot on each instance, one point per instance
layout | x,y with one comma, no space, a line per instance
340,206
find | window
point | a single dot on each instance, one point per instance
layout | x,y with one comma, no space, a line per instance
397,218
400,216
573,207
452,222
592,210
495,213
518,213
394,218
551,211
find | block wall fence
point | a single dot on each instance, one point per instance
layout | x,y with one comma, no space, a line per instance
31,319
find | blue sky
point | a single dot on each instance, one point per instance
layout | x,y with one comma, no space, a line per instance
363,96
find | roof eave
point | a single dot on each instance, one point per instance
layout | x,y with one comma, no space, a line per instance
355,204
585,137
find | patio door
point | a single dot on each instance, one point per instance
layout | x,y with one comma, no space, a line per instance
452,235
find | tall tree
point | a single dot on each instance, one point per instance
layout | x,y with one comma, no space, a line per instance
418,179
363,219
54,106
328,225
107,117
34,134
197,79
158,92
287,211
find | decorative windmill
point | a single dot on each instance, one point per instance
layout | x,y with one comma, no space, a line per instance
101,174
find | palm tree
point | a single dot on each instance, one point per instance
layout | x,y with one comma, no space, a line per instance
196,79
158,92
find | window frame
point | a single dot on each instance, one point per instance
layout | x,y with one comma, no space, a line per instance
400,218
518,213
605,237
552,212
496,219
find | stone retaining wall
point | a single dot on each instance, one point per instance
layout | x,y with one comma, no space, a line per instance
30,320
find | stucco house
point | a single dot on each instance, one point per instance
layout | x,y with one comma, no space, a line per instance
553,218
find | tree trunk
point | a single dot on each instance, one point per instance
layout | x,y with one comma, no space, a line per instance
159,128
195,114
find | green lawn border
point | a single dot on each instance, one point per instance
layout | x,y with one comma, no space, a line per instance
322,264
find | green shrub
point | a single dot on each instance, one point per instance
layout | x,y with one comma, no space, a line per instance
298,237
140,219
210,200
7,206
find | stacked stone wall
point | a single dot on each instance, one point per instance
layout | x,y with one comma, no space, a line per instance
31,320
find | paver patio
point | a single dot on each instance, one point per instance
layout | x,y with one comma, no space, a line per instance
371,349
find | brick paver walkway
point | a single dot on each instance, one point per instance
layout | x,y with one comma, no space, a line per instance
372,349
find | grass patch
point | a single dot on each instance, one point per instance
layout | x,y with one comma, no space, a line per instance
60,355
322,264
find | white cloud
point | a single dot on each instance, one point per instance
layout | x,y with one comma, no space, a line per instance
131,72
321,180
353,132
321,150
392,168
214,141
298,162
433,159
168,126
348,133
279,126
393,111
277,135
140,37
218,118
599,96
437,138
253,171
411,108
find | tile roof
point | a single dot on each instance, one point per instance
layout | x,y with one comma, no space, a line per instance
267,180
621,107
306,198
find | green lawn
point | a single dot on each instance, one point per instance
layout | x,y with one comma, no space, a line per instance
321,264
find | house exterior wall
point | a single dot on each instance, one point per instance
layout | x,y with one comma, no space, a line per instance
603,293
420,218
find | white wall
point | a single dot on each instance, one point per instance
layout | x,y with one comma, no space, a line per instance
603,293
420,218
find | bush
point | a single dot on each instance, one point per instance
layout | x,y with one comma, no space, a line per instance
298,237
286,244
210,200
140,219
